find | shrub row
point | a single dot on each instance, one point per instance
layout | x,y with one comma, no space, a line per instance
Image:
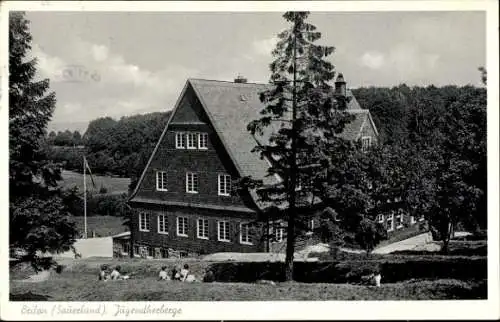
351,271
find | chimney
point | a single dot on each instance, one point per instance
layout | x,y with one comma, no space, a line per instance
240,79
340,86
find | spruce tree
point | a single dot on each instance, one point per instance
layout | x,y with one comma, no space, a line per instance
301,120
39,220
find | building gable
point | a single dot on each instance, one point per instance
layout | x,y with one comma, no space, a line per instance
189,116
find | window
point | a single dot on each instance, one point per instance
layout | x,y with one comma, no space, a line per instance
399,218
202,228
161,180
137,250
366,142
180,140
279,232
223,231
390,222
162,224
182,226
246,233
380,218
224,185
126,248
203,141
150,251
144,221
192,182
311,225
191,140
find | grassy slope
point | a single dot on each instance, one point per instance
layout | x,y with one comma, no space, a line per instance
102,225
78,282
112,184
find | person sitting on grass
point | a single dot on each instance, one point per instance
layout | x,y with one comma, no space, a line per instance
176,275
185,276
103,274
115,274
163,276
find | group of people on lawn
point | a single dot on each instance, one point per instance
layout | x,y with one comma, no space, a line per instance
176,274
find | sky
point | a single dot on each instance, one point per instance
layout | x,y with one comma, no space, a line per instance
125,63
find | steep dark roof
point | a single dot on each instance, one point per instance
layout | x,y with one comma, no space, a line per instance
231,106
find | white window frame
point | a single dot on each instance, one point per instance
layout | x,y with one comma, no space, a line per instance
180,140
311,225
205,136
164,180
248,229
186,228
194,136
363,139
279,232
164,229
227,182
380,218
226,231
400,215
204,221
147,221
391,219
193,175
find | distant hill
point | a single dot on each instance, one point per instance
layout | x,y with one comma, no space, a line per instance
72,126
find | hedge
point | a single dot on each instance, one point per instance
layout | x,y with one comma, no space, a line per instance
351,271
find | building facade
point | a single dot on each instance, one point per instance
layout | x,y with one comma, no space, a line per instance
186,199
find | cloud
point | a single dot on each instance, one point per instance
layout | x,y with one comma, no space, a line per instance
107,84
373,59
264,46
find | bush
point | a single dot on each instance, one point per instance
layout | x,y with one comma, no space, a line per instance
392,270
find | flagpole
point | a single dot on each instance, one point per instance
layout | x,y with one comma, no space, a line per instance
84,197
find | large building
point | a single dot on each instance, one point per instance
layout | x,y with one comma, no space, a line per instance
185,201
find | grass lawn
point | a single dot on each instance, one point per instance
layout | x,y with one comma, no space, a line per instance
112,184
78,282
102,225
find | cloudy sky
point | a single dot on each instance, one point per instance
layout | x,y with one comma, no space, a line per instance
130,63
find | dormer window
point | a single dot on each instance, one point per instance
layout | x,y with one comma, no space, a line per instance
366,143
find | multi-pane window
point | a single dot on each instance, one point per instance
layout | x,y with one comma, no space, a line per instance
162,224
203,141
399,218
144,221
279,232
246,231
380,218
180,140
161,180
191,140
390,222
311,225
192,182
366,142
182,226
202,228
223,231
224,185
